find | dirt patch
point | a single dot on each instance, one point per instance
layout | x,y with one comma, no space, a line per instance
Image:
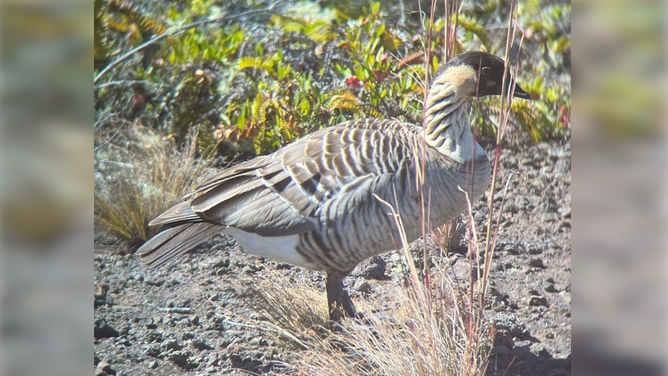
192,318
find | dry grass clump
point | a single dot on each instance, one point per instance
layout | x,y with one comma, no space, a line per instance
296,305
441,332
138,175
443,337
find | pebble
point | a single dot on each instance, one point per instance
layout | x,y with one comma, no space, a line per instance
537,263
512,248
566,213
201,345
533,250
102,329
153,350
537,301
171,345
180,358
551,288
104,368
511,208
249,269
154,336
374,268
364,287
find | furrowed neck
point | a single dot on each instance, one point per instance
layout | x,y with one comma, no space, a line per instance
446,123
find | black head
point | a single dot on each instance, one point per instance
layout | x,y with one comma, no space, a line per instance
482,69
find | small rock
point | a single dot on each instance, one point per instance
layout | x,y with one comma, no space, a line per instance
460,271
537,263
104,368
212,362
249,269
511,208
258,341
102,329
180,358
513,249
536,301
153,350
171,345
153,324
123,341
224,263
373,268
533,250
153,364
153,336
201,345
100,297
526,162
194,320
364,287
551,288
566,213
155,282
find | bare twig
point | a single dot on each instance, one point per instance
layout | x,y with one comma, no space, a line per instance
123,82
181,310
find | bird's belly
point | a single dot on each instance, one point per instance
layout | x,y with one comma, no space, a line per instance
279,248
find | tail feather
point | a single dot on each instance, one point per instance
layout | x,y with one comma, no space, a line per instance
175,241
179,213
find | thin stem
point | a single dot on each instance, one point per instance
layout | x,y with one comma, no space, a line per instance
505,111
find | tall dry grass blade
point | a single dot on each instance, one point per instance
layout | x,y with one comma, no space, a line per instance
506,101
138,177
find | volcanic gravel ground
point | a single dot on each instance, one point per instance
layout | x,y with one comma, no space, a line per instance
184,319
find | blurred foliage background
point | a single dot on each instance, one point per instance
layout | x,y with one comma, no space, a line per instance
229,80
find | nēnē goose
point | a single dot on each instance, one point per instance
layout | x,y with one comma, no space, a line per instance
313,203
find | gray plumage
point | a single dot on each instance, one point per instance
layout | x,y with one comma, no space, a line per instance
313,203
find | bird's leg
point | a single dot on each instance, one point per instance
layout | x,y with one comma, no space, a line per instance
338,299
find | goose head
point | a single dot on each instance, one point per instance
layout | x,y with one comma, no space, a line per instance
477,74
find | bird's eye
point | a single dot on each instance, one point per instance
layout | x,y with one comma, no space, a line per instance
486,71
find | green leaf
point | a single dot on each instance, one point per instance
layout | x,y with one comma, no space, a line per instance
305,107
375,7
562,44
283,71
360,72
380,30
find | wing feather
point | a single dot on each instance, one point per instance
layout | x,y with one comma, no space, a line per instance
282,193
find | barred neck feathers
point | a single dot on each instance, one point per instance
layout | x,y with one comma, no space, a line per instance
446,122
